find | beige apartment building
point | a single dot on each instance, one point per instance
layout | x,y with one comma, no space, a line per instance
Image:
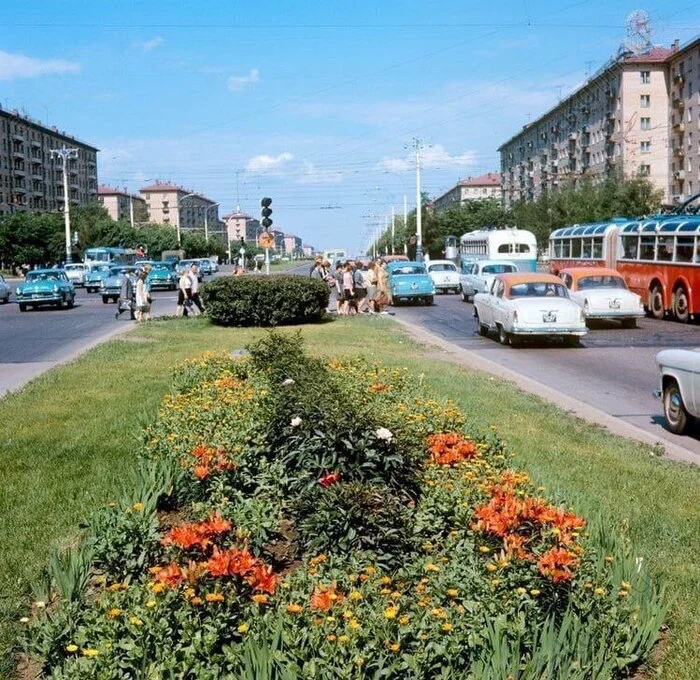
241,225
121,205
620,120
470,189
292,245
183,209
30,179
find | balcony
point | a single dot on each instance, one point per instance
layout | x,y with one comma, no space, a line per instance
679,152
17,136
74,186
573,137
679,78
611,115
679,127
19,188
18,153
678,103
679,174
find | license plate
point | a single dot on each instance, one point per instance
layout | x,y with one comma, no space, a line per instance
36,296
614,304
549,317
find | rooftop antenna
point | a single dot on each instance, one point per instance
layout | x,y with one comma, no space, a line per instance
638,32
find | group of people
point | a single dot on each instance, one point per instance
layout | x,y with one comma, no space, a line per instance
134,299
188,300
358,287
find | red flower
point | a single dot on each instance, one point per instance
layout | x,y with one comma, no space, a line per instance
323,599
329,479
216,524
241,562
449,448
557,564
219,563
170,575
263,579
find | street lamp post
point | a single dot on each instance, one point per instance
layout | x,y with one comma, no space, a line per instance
206,222
64,154
179,216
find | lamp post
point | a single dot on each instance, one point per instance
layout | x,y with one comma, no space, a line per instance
64,154
405,207
206,223
179,216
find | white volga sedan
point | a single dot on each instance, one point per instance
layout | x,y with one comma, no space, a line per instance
529,305
479,275
680,387
603,294
444,275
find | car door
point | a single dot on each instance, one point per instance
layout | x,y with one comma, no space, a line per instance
498,303
470,288
485,308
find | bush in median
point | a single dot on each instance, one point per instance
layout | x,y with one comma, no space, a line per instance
265,301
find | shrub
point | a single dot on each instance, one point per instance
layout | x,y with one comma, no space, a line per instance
265,300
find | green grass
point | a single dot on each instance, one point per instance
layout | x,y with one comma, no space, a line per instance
69,439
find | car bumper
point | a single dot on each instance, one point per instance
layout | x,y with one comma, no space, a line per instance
161,284
549,330
615,314
38,299
447,286
412,295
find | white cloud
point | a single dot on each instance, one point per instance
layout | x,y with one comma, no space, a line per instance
148,45
18,66
435,156
313,175
237,83
265,163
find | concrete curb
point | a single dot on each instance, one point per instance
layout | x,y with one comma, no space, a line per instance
563,401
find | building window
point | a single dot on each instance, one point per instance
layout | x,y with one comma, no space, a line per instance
644,101
645,77
645,123
645,147
645,170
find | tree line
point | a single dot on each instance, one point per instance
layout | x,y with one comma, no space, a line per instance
587,201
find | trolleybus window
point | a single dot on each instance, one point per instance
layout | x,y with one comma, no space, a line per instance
664,248
629,246
586,247
597,248
647,247
575,247
685,247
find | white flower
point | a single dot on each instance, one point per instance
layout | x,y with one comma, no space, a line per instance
295,422
383,433
40,604
288,381
24,619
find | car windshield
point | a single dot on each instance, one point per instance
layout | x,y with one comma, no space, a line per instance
42,276
74,267
498,269
408,270
446,267
100,268
538,289
160,268
589,282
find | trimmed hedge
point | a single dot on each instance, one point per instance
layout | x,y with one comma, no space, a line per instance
265,300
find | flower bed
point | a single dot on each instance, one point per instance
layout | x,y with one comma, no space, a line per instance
294,519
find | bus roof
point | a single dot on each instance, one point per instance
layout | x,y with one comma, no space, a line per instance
666,224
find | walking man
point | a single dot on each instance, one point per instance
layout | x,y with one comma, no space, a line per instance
126,295
184,294
194,276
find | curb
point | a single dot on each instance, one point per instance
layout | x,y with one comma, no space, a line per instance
561,400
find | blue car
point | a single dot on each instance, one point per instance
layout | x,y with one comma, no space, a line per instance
45,287
111,287
410,282
97,274
161,275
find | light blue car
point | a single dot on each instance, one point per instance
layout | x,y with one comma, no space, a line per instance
161,275
409,282
97,274
45,287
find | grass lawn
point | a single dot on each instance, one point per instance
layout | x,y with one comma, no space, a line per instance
70,438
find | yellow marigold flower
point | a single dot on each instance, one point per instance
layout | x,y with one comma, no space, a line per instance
214,597
158,588
385,591
395,647
259,598
447,627
587,586
243,628
330,619
452,592
331,638
71,648
354,624
495,582
294,609
150,604
385,580
432,567
189,592
90,653
347,614
623,593
599,591
359,661
111,504
484,549
491,567
438,612
343,639
626,585
196,600
404,620
136,621
114,612
609,559
390,613
355,595
520,591
534,592
138,507
370,570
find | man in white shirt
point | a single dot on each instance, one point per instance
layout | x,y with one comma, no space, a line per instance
184,294
194,275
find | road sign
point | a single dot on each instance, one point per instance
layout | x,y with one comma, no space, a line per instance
266,240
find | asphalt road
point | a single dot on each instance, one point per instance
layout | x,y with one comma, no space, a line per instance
613,370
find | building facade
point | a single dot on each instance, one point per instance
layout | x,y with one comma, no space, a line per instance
292,245
241,225
470,189
121,205
183,209
617,122
31,180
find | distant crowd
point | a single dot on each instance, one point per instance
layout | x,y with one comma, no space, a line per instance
358,287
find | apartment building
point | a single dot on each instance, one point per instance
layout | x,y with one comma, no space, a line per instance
292,245
241,225
186,210
121,205
616,122
470,189
30,179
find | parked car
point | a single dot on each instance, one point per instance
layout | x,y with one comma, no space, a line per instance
45,287
409,282
184,266
161,275
680,387
603,294
93,278
4,290
112,285
478,275
444,275
529,305
76,273
394,258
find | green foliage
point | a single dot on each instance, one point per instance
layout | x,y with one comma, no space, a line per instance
31,239
69,571
265,300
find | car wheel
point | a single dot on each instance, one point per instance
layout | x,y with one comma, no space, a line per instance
22,306
680,305
503,336
572,341
629,323
105,299
429,301
656,302
483,328
465,297
6,299
71,302
677,418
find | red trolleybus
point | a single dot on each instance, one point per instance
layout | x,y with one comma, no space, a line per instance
658,257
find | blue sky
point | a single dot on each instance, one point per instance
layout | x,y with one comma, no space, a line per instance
314,104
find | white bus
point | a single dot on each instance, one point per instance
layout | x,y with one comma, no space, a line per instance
511,244
335,255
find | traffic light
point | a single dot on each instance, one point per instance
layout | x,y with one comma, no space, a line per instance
266,212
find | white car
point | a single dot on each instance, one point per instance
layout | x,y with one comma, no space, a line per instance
4,291
479,275
680,387
603,294
76,273
444,275
529,305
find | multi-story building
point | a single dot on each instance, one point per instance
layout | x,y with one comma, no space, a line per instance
183,209
121,205
30,179
241,225
292,245
307,250
618,121
470,189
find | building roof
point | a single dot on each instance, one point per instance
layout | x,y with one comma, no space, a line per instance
490,179
237,214
656,55
169,187
106,190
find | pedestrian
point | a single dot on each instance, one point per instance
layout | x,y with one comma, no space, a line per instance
319,272
338,277
314,266
372,288
348,291
383,298
126,294
143,298
184,294
194,275
360,286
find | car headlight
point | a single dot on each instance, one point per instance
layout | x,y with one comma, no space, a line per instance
55,288
102,284
582,315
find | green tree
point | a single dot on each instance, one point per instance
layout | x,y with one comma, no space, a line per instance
27,238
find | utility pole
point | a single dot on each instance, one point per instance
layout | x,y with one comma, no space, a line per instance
393,228
405,216
386,228
64,154
418,145
131,210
